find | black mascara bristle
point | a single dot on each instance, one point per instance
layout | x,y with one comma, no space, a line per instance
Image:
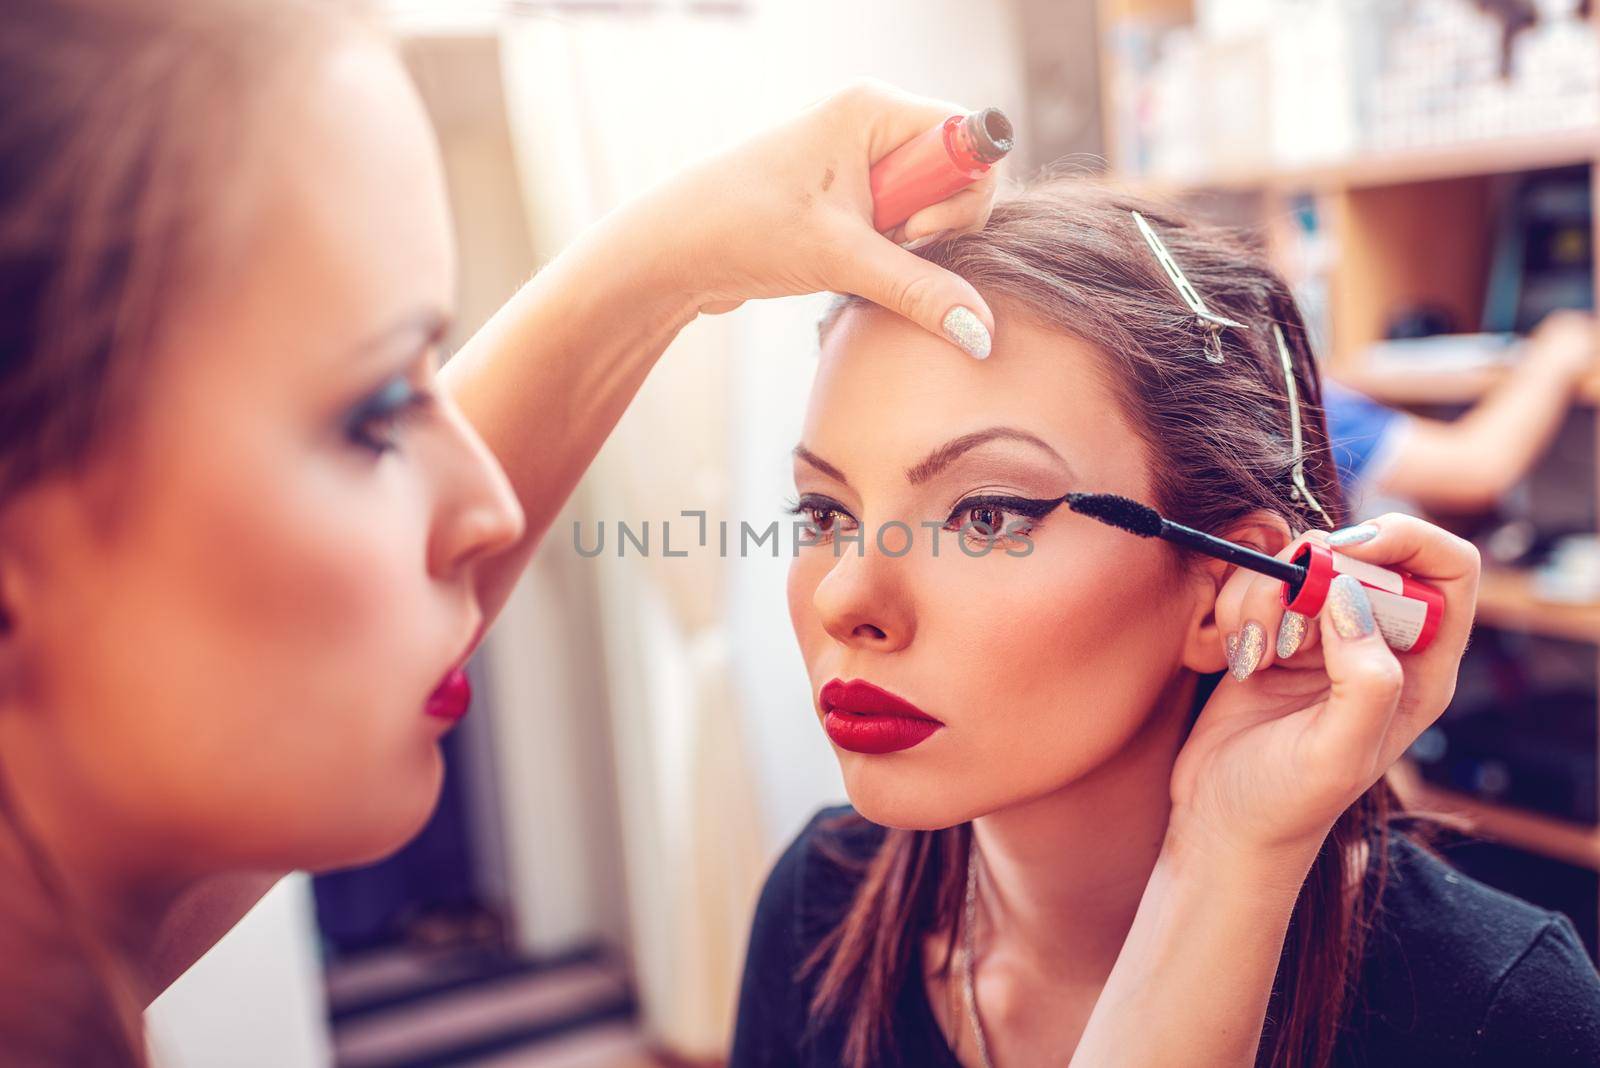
1119,512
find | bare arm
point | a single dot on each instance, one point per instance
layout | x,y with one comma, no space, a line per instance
785,213
1200,958
1468,463
548,377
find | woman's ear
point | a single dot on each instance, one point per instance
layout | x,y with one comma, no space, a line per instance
1203,649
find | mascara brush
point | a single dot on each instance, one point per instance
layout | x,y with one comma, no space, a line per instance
1146,522
1407,611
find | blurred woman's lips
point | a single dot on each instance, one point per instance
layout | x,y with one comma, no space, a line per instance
863,718
452,697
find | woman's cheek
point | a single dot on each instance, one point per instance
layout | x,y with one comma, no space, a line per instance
332,626
806,572
1037,642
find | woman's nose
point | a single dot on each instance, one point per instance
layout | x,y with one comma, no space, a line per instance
478,515
863,603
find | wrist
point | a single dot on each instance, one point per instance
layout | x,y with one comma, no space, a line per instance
1272,869
1563,369
632,254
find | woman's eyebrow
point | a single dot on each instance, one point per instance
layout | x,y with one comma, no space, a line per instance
419,330
805,454
944,455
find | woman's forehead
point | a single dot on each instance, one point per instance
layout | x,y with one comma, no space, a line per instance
887,388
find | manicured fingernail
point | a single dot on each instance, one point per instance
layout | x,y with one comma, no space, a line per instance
1230,646
1355,535
1291,632
926,239
967,330
1247,653
1350,608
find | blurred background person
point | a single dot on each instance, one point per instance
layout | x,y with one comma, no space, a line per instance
1465,464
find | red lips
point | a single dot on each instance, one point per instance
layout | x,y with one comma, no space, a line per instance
862,718
452,696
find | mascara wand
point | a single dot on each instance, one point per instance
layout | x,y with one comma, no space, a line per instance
1407,611
1146,522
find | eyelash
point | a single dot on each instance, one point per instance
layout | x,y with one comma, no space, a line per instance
376,422
1030,509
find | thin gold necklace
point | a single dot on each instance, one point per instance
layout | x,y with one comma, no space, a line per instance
969,921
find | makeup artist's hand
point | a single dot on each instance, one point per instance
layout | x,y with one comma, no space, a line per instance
790,212
1301,727
1273,760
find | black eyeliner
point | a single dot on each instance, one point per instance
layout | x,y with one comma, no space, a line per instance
815,500
1032,507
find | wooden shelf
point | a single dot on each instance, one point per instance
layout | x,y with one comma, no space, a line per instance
1506,599
1572,843
1510,155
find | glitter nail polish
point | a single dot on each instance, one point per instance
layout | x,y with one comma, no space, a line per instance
1230,646
1356,535
967,330
1291,632
1350,608
1247,654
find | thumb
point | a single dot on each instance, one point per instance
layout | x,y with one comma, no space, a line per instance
1365,680
937,300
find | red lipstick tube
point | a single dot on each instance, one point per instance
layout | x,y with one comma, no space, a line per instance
1407,611
936,164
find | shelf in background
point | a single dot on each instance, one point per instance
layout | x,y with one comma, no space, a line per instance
1506,600
1572,843
1509,155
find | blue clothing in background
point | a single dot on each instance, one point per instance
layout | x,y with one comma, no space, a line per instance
1360,431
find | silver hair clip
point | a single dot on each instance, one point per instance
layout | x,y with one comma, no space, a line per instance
1212,323
1302,492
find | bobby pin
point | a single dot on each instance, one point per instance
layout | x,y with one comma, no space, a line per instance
1301,491
1212,323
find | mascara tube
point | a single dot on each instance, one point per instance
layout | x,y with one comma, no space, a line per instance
1407,611
936,164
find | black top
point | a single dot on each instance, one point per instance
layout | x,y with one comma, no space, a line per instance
1455,973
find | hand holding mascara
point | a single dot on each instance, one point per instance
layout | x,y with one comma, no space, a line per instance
938,164
1408,612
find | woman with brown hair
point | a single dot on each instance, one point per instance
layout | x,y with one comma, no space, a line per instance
1075,836
247,533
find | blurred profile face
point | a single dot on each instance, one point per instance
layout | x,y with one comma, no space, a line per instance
1038,653
231,623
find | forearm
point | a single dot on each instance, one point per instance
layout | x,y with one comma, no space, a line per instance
1193,978
784,213
1518,420
1472,461
546,379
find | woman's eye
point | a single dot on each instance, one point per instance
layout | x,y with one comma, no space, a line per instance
987,520
821,514
377,422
